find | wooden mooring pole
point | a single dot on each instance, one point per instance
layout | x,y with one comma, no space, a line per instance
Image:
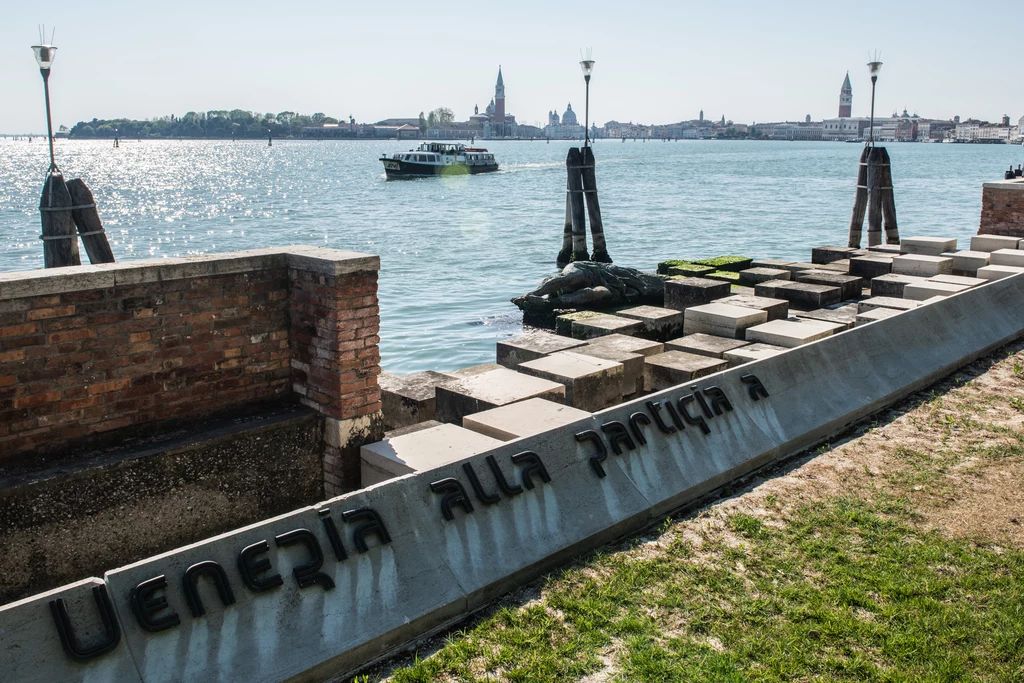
573,161
87,218
600,253
582,182
60,242
875,198
860,203
888,199
565,255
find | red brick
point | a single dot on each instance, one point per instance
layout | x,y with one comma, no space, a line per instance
55,312
138,337
112,385
37,399
71,335
18,330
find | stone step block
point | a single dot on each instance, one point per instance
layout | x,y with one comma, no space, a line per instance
599,324
775,308
885,249
993,242
659,324
722,320
472,370
968,262
797,267
409,399
676,367
459,397
791,333
886,302
691,291
927,246
751,353
823,255
632,365
531,346
770,263
843,315
922,265
850,286
525,418
871,266
1007,257
590,383
420,450
892,285
923,291
754,276
800,295
842,267
998,272
705,345
622,342
958,280
875,315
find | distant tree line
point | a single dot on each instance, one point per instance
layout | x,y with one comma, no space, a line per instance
218,123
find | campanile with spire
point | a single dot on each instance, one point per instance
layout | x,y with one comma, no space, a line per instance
846,99
498,120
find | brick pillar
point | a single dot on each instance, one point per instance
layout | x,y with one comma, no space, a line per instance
1002,208
335,322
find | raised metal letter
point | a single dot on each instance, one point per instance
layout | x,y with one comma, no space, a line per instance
703,404
374,524
145,605
532,465
220,580
309,573
249,567
697,419
635,420
332,534
478,488
602,451
718,400
111,629
616,433
654,408
499,476
754,387
454,494
674,415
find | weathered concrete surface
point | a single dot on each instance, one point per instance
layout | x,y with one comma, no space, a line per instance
776,309
473,370
693,291
30,649
967,262
967,281
842,315
751,353
675,367
871,266
927,246
922,291
798,267
993,242
753,276
885,249
874,315
998,272
790,333
591,383
800,295
923,266
659,324
602,324
824,255
408,399
722,320
419,450
850,286
531,346
705,344
1007,257
892,285
526,418
632,365
886,302
770,263
622,342
491,389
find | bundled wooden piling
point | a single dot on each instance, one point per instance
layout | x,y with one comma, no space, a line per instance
888,199
600,253
87,218
573,161
875,196
860,203
565,255
60,243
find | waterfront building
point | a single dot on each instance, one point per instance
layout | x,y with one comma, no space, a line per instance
568,128
496,122
846,99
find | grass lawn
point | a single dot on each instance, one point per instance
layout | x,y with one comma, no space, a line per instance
898,555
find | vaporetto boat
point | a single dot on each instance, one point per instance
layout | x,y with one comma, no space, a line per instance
438,158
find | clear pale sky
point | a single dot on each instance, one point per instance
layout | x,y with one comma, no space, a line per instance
657,62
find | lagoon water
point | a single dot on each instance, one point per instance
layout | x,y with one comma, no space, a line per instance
455,250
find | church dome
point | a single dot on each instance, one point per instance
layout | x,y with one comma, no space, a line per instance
569,117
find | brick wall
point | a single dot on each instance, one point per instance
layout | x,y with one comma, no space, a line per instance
91,355
1002,208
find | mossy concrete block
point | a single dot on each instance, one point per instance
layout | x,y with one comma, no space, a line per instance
591,383
492,389
754,276
531,346
420,450
605,323
927,246
892,285
664,266
406,400
705,345
1007,257
850,286
682,294
676,367
690,270
791,333
722,320
724,276
886,302
998,272
563,323
870,266
728,263
525,418
922,291
993,242
922,265
752,352
823,255
800,295
775,308
659,324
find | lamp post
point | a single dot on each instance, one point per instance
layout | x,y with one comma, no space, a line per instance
588,68
44,57
874,66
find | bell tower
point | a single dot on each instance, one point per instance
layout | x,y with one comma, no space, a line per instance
498,121
846,99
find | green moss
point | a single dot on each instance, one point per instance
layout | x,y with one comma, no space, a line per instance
581,315
691,270
730,263
664,266
723,275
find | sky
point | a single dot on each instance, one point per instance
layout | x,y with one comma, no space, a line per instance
657,62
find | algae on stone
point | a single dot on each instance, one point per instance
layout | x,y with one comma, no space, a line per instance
729,263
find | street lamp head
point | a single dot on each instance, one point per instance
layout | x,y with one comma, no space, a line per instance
44,55
587,64
875,65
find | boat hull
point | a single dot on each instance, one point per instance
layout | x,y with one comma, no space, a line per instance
397,168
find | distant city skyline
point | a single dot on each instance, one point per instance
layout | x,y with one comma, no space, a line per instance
656,64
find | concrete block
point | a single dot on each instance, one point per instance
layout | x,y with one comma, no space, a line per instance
1007,257
870,266
467,395
600,324
590,383
823,255
472,370
526,418
797,267
998,272
770,263
723,320
843,315
790,333
800,295
874,315
406,400
926,290
927,246
886,302
753,276
751,353
676,367
993,242
968,261
958,280
850,286
842,266
30,647
887,249
632,365
682,294
705,345
921,265
622,342
531,346
775,308
659,324
418,451
892,285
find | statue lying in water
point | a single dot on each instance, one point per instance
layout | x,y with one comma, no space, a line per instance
586,284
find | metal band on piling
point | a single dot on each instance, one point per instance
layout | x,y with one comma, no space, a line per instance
67,237
67,208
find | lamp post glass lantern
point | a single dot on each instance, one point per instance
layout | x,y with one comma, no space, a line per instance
45,55
587,65
874,66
